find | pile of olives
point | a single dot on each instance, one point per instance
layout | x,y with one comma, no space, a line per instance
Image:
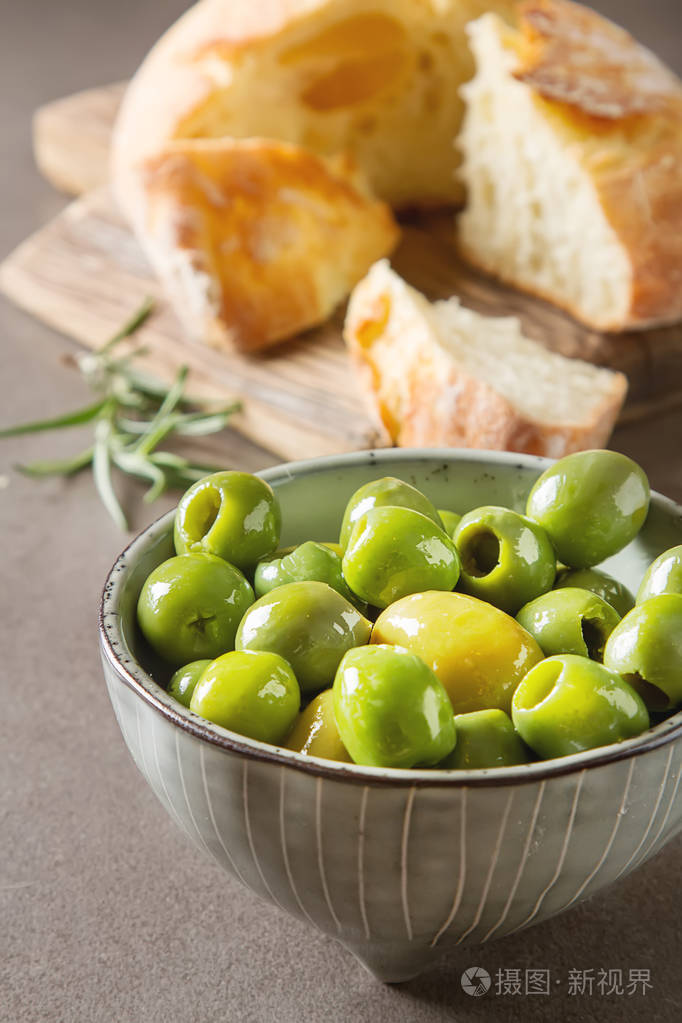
422,638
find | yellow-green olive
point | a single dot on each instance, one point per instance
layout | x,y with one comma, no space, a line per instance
315,732
254,693
478,652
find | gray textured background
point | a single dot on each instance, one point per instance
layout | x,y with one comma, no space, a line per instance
106,913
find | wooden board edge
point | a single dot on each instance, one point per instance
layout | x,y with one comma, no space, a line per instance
258,422
56,133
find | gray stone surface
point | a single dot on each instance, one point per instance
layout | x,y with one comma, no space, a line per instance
107,915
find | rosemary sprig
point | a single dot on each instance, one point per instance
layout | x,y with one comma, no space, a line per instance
132,416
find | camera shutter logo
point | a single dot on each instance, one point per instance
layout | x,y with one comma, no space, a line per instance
476,981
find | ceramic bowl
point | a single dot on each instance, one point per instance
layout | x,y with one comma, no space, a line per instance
400,866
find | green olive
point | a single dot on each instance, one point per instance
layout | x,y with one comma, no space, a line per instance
391,710
569,621
380,493
184,680
478,652
507,559
664,575
309,561
395,551
250,692
605,586
567,704
310,625
485,738
646,649
450,520
231,514
190,606
315,732
592,504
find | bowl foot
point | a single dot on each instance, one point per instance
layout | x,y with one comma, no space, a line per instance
394,962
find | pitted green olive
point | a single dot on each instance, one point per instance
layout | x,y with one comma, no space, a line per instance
309,561
664,575
184,680
485,739
646,649
567,704
592,504
506,558
387,491
390,709
395,551
231,514
250,692
310,625
190,606
605,586
569,621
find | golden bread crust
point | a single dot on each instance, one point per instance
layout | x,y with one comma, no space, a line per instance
570,54
266,236
433,400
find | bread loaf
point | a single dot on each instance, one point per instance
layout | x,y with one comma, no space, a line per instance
378,79
437,374
572,146
366,97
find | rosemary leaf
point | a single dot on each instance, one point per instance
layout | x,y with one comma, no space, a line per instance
130,326
131,418
59,466
201,426
77,418
162,423
167,459
134,427
101,469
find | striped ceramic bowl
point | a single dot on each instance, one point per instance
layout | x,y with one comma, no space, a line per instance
400,866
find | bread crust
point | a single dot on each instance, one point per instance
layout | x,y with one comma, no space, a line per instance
264,238
433,401
620,110
175,80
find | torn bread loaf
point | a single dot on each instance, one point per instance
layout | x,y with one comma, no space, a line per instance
572,158
378,79
437,374
360,103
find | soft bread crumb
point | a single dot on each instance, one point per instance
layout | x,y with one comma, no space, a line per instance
533,214
441,374
571,144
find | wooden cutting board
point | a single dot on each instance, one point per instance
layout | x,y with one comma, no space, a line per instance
84,274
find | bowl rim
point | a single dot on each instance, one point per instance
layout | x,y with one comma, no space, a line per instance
133,675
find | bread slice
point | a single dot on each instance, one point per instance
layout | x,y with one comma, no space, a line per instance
572,146
255,239
437,374
378,79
